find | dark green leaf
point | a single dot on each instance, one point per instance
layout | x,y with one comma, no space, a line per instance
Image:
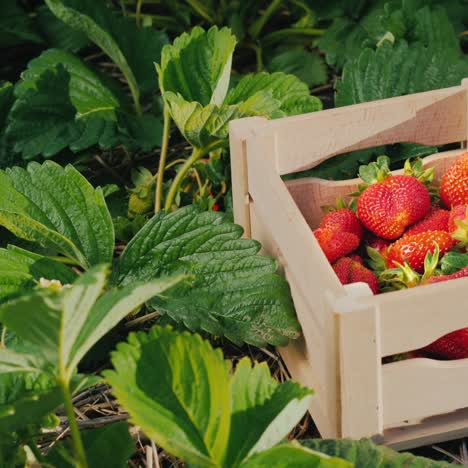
107,446
57,208
309,67
235,292
396,70
133,50
88,94
16,26
6,101
58,34
453,262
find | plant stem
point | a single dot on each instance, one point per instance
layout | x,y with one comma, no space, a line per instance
35,450
74,431
3,338
258,56
197,153
162,159
257,27
138,12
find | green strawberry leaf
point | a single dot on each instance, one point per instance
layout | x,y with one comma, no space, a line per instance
110,445
59,209
291,93
198,65
87,92
58,34
309,67
234,292
270,410
26,398
61,326
20,270
6,102
133,50
453,261
396,70
293,454
179,390
176,388
207,126
364,453
16,26
344,39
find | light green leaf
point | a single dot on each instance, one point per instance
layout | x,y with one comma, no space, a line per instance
235,292
293,455
198,65
87,92
16,26
176,388
364,453
203,126
133,50
27,398
269,409
21,269
108,446
309,67
59,209
292,94
396,70
60,327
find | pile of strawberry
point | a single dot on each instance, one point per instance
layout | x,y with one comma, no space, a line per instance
403,231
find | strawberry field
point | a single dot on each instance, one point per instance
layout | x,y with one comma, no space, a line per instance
138,326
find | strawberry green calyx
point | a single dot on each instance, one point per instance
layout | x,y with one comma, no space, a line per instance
376,260
403,276
375,172
415,168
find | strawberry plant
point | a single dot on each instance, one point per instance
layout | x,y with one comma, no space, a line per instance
131,226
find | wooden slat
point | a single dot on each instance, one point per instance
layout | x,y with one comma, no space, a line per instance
431,118
279,225
418,388
311,194
360,366
415,317
238,132
429,431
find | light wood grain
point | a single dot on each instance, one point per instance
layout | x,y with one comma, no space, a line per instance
431,118
419,388
311,194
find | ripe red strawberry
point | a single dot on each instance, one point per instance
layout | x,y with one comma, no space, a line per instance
454,184
414,248
336,244
344,220
454,345
349,271
458,224
356,258
436,220
463,273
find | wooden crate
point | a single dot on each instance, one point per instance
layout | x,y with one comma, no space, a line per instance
346,330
